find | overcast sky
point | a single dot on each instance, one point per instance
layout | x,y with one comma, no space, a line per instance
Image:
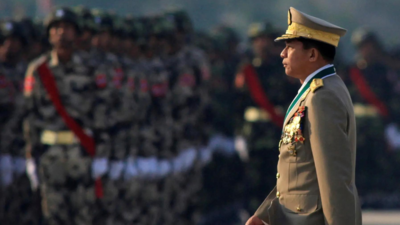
380,16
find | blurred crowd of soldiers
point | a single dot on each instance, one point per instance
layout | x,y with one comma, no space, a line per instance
160,106
136,92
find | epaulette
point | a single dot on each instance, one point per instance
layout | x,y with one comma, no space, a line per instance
316,84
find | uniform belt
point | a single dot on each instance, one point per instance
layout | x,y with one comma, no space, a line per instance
361,110
50,137
254,114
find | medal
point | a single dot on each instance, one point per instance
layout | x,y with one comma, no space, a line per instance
300,139
293,131
296,119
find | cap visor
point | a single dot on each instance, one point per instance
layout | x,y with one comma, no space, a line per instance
286,37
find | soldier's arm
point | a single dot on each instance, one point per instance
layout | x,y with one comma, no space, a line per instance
100,115
331,148
28,115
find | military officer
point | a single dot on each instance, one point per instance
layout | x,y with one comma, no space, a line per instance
316,167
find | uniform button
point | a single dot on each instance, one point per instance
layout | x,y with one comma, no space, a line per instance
278,175
278,194
298,209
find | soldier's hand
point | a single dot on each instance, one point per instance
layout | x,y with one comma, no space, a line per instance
254,220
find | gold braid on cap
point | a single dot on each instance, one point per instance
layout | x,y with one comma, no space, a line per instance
299,30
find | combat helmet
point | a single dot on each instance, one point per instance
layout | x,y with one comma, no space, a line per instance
260,29
62,14
10,28
181,19
103,21
363,35
86,18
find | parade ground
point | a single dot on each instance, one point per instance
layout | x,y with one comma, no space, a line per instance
381,217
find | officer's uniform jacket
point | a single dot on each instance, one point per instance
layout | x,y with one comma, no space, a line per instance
316,167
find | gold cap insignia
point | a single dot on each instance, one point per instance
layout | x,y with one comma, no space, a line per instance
289,17
306,26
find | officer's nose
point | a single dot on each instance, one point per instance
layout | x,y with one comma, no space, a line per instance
284,53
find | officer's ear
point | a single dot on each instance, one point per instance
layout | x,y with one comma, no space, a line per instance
313,55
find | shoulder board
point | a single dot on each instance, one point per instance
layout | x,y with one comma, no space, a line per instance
39,60
316,84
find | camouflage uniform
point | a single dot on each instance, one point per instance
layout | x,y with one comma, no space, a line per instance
137,192
64,168
11,79
63,165
110,76
133,145
16,198
152,127
188,70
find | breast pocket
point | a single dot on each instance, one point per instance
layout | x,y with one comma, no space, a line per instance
300,204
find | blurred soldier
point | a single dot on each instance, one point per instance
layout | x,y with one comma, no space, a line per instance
204,41
119,35
139,189
227,199
154,123
132,44
36,38
224,67
102,40
372,58
132,135
182,51
134,39
61,130
111,80
259,105
88,25
16,198
187,69
371,85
